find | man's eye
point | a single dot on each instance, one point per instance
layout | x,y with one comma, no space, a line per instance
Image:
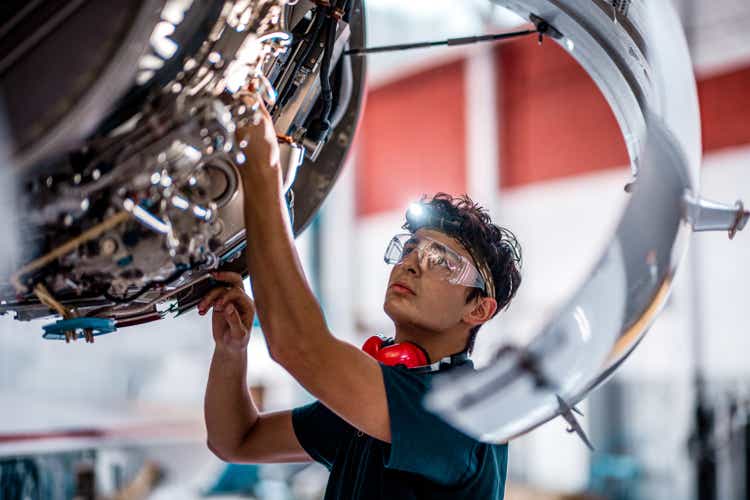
439,251
437,259
408,248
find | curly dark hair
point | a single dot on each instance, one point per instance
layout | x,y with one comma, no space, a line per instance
492,247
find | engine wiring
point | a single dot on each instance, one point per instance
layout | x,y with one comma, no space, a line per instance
541,28
451,42
46,298
65,248
150,285
322,126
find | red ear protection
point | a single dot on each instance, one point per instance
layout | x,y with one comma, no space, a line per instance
407,354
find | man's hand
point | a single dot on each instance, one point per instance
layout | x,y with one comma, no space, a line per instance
233,312
259,143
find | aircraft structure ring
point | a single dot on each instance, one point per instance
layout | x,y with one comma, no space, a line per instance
636,53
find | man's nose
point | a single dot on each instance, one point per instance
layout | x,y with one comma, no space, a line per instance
412,262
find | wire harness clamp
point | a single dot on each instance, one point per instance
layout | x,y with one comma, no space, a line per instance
78,328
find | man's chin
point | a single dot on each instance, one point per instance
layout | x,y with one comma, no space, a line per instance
397,310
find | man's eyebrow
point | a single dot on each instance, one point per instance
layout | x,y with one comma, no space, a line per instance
448,247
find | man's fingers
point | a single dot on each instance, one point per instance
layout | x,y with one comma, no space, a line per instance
262,126
232,278
251,100
235,322
239,299
211,297
264,111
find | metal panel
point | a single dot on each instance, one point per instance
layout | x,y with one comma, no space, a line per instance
639,59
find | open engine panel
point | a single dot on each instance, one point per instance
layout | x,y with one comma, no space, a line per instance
124,227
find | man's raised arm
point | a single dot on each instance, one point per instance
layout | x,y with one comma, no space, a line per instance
346,380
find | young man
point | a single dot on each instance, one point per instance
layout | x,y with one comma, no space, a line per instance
453,271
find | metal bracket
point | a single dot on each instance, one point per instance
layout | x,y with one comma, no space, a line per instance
544,28
566,412
705,215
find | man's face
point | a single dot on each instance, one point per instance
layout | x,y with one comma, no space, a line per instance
419,297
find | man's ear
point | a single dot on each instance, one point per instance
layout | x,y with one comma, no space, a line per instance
481,312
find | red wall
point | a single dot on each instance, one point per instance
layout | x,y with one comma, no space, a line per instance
554,121
412,140
725,109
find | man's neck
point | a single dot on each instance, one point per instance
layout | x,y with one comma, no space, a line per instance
437,344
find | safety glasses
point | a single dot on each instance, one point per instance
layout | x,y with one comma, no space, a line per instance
436,258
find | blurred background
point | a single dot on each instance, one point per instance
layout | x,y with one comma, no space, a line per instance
524,131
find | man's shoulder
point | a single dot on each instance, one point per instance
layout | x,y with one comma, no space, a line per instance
426,377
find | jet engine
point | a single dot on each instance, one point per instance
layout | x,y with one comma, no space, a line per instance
122,117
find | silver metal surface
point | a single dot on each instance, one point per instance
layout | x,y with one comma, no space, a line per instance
153,199
639,59
85,113
706,215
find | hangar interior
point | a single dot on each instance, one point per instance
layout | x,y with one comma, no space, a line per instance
523,129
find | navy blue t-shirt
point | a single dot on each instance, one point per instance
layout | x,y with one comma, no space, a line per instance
426,459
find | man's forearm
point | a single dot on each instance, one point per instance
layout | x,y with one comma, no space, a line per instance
287,309
229,409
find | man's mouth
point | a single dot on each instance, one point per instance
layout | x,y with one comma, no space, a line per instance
403,289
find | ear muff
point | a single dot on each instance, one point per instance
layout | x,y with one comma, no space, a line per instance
372,345
407,354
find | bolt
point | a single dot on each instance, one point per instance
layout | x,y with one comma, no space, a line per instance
108,246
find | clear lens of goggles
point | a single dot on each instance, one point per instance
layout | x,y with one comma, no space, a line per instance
436,257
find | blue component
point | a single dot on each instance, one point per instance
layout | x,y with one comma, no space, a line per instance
56,330
125,261
239,479
239,248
